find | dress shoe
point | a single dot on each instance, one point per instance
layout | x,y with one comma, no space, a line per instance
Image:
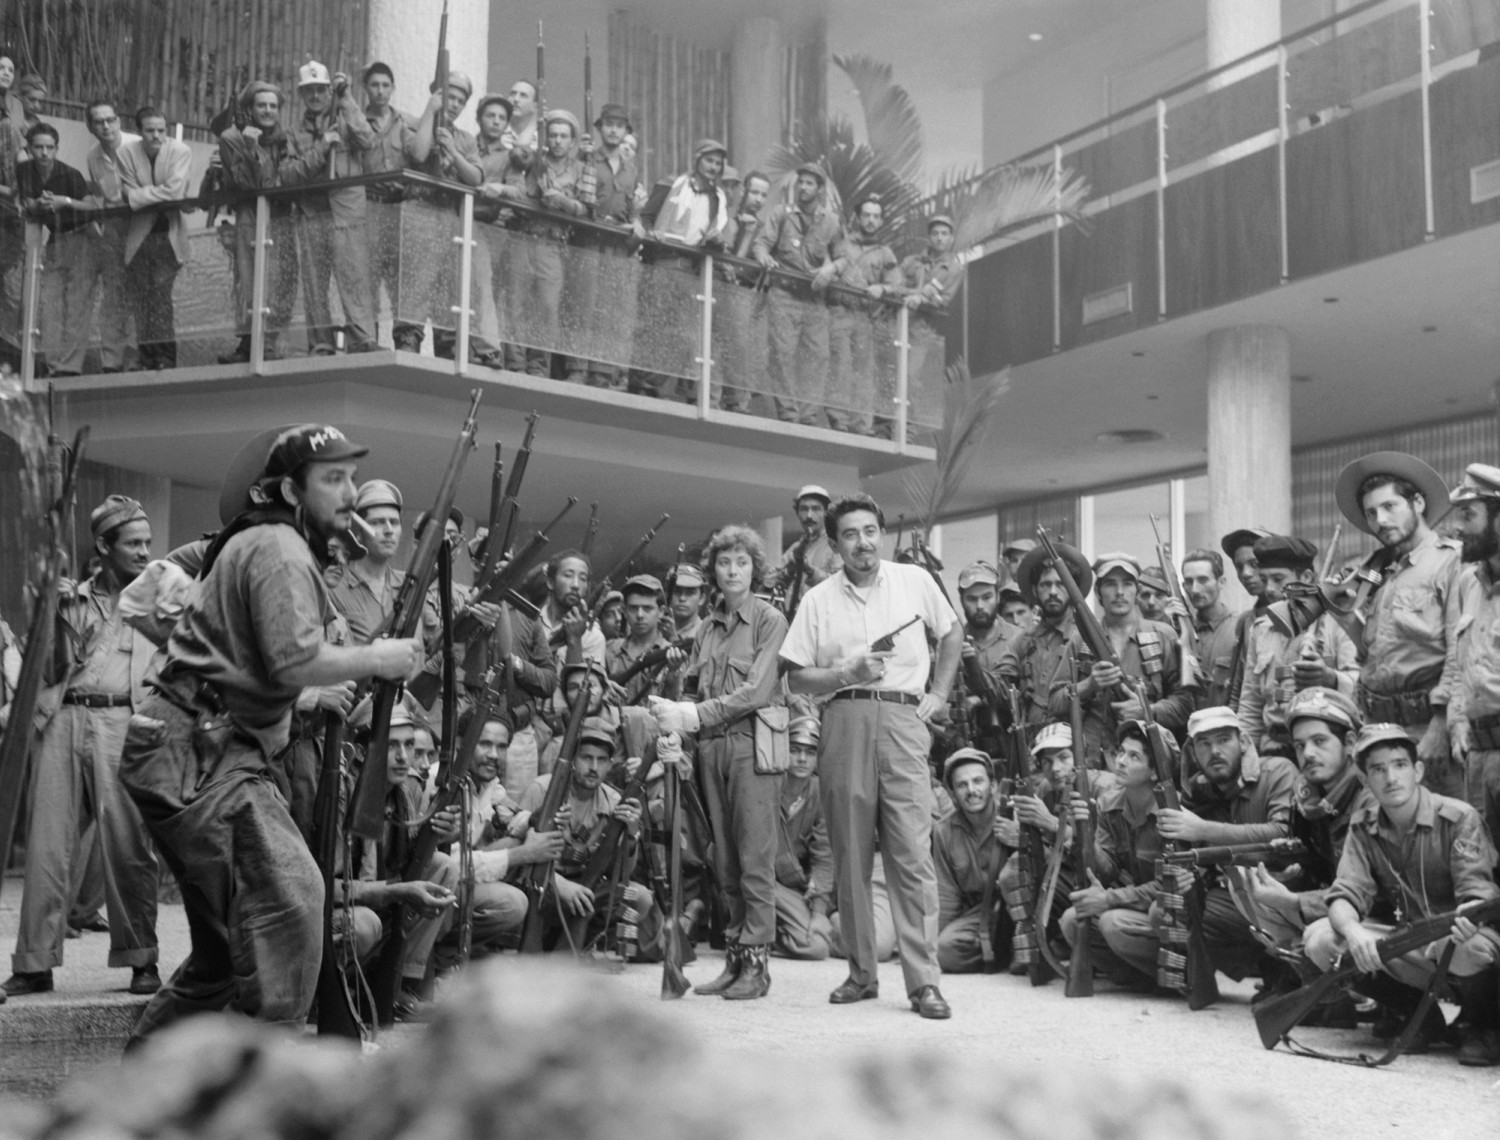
19,984
929,1003
850,991
144,980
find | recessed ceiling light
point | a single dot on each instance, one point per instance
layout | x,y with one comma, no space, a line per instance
1451,400
1035,37
1330,300
1138,352
1130,435
1152,396
1302,377
1429,328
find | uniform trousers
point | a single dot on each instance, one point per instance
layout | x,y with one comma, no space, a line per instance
75,784
252,892
742,808
1482,787
601,310
795,937
885,925
333,250
383,243
851,385
1475,956
959,950
66,312
739,346
281,271
1123,940
535,274
150,278
429,279
104,271
872,769
799,354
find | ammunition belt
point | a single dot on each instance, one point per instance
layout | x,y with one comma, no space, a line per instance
1411,707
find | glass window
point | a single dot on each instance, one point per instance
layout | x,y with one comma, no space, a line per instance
964,541
1122,520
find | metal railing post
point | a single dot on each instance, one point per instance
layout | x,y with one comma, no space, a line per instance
31,288
903,375
1283,132
705,360
259,310
1424,18
1161,209
465,240
1057,228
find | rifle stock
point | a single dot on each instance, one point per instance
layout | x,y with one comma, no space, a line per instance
601,588
1238,854
536,878
366,807
1080,980
1275,1017
674,982
336,1014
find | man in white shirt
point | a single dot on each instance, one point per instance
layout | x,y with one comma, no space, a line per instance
154,169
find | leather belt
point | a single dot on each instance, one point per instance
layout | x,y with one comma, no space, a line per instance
884,696
1411,707
744,727
97,700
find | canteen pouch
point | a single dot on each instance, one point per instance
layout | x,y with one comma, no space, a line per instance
773,749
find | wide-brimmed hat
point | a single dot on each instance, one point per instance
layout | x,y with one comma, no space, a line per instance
1396,465
1036,563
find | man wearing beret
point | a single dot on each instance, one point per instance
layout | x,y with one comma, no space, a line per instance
1413,853
1239,548
1146,651
1407,622
1474,710
1278,664
1038,660
84,714
202,756
812,557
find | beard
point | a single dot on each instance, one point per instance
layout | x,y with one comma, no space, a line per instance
982,619
1481,547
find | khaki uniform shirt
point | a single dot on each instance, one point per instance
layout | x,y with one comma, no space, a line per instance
585,827
1477,693
735,658
1126,848
1263,698
966,856
1218,641
1259,804
1411,635
1150,654
796,239
1037,661
821,561
803,854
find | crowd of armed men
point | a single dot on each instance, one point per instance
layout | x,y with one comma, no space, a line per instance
1090,772
805,322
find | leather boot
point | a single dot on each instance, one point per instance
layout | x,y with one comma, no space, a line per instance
1480,998
1397,1004
732,964
755,975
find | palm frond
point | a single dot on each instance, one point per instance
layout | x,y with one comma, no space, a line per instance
1009,197
968,407
855,171
891,121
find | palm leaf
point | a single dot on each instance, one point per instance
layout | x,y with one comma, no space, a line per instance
855,171
891,121
1010,197
968,407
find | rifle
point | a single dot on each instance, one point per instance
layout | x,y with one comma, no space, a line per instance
541,79
440,79
1080,981
337,1015
588,85
674,982
1187,638
536,879
366,807
590,532
1331,553
1088,623
888,642
978,683
503,529
502,584
1276,1017
1280,851
799,572
600,588
15,747
492,519
651,659
1188,968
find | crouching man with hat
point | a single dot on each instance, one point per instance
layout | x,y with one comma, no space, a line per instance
201,756
1413,853
967,852
1474,707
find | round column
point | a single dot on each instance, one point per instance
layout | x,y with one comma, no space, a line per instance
757,65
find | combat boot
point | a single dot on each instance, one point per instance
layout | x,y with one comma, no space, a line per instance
1480,998
755,975
733,961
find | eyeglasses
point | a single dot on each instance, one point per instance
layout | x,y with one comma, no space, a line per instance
106,122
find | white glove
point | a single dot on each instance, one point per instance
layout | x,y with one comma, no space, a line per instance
674,716
669,751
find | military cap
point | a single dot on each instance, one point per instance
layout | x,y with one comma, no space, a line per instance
685,574
1396,465
643,584
1328,705
614,111
558,115
378,493
815,170
1118,560
401,717
597,730
1036,563
805,730
1011,590
1211,718
940,220
1054,735
731,174
587,665
709,146
491,99
1284,552
613,598
1374,735
813,491
1239,539
34,83
1153,577
462,82
958,758
313,74
1021,546
310,443
1481,481
257,87
979,573
116,510
454,514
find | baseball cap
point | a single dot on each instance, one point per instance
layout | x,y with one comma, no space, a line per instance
116,510
597,730
977,574
378,493
644,583
1374,735
1211,718
805,730
1153,577
814,491
1056,735
688,575
958,758
309,443
313,73
1117,561
1019,546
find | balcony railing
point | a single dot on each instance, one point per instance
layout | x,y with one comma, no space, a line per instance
491,285
1364,134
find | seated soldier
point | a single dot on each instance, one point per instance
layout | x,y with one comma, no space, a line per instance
1409,854
1235,796
967,855
804,860
1122,882
589,804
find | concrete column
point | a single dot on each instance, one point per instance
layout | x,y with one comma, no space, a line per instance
771,535
1238,27
757,66
1249,430
404,34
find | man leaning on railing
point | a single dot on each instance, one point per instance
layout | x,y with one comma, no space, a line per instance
154,170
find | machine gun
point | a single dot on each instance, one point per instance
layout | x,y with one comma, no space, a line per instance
1089,629
1273,851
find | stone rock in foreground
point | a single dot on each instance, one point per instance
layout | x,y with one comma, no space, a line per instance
538,1052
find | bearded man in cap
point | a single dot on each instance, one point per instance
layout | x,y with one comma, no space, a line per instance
1145,652
605,294
1038,659
812,557
202,755
1278,663
1474,710
988,639
866,268
798,237
1405,616
75,784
